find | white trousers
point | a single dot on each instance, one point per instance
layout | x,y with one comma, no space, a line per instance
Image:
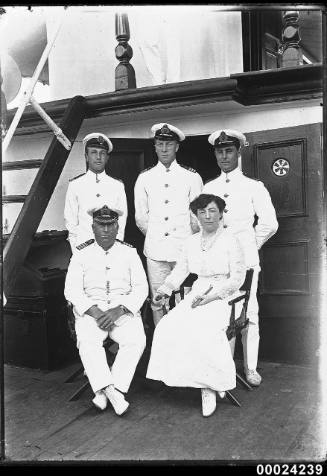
157,273
131,339
250,335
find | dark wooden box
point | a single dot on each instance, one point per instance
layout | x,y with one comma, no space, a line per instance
35,316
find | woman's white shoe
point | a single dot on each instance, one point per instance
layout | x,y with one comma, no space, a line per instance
208,401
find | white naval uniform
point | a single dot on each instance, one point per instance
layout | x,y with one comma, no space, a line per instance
90,190
107,279
162,198
245,198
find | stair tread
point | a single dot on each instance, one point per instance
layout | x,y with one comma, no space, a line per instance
13,198
22,164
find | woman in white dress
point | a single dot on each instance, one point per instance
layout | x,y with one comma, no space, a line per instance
190,347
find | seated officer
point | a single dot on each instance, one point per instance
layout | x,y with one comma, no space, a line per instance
107,285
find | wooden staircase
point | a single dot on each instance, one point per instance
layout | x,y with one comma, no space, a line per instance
36,201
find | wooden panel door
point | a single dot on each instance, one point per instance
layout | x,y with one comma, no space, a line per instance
128,158
289,162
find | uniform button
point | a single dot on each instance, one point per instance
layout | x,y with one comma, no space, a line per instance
167,170
166,201
227,180
225,210
225,226
98,195
226,195
166,234
166,218
166,184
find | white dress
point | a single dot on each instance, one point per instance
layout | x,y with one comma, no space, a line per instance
190,347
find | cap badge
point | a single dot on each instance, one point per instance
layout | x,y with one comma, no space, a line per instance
101,140
222,137
105,214
165,129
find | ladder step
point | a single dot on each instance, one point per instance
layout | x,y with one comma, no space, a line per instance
22,164
14,198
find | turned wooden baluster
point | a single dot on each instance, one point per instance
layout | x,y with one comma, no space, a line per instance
291,50
124,73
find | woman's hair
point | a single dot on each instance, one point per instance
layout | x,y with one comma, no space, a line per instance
204,199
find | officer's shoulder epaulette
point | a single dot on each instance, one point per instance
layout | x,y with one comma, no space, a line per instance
115,178
85,244
188,168
77,176
146,170
124,243
211,179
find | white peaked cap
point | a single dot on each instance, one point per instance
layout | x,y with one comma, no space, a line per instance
223,136
101,137
95,207
157,127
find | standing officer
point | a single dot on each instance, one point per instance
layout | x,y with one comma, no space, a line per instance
245,198
162,197
107,285
92,187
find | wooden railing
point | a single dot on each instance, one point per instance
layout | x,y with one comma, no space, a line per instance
291,53
35,203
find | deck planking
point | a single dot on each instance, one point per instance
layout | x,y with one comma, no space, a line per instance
279,421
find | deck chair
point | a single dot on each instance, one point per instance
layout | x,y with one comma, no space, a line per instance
181,292
108,344
236,325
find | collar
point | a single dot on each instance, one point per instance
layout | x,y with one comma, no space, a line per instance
233,174
162,168
101,250
93,175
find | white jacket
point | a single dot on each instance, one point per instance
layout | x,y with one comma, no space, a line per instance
83,193
104,278
245,198
162,211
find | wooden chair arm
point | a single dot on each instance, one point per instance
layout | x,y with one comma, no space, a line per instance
71,321
237,299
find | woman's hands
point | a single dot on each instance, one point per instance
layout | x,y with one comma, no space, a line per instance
203,299
160,298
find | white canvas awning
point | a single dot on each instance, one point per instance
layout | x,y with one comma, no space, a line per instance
24,36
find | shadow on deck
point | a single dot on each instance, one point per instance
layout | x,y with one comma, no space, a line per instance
279,421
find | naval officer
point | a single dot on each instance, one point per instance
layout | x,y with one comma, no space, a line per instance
162,197
92,187
107,285
245,198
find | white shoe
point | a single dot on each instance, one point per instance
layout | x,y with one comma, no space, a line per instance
100,400
116,399
253,378
208,401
